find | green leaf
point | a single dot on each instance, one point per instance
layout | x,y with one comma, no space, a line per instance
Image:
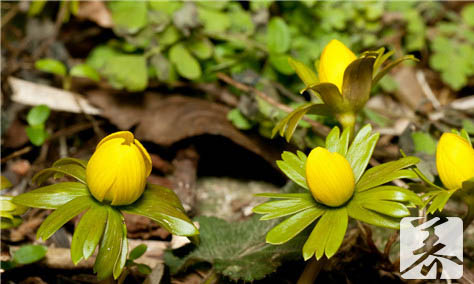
111,245
50,65
86,71
280,63
293,167
361,150
72,170
423,142
285,195
292,226
214,21
467,14
357,82
168,7
122,260
281,208
387,172
327,235
37,134
88,233
38,115
52,196
163,206
129,16
304,72
137,252
143,268
287,125
99,56
127,71
356,211
36,7
62,215
278,36
202,48
29,254
237,250
186,65
238,119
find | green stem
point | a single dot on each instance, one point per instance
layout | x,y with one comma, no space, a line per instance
67,82
311,270
347,120
211,278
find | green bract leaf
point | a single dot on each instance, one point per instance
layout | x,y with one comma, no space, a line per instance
357,82
280,208
62,215
356,211
38,115
439,200
84,70
186,65
304,72
7,223
29,254
283,195
294,168
51,66
388,208
73,170
278,36
111,246
392,64
389,192
69,161
292,226
237,250
52,196
163,206
387,172
327,235
137,251
361,150
36,7
88,233
331,96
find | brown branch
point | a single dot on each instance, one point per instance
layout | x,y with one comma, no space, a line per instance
317,127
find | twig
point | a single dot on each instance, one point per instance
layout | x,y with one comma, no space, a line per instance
319,128
420,76
10,15
388,245
16,154
57,27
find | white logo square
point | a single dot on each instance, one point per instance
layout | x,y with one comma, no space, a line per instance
431,250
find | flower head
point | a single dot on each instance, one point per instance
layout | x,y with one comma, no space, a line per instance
454,160
333,62
329,177
118,169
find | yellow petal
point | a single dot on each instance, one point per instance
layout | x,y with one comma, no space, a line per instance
333,62
118,169
454,160
329,177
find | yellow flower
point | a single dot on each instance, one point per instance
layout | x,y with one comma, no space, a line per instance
118,169
454,160
329,177
333,62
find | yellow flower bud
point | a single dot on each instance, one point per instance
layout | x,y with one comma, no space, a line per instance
333,62
329,177
454,160
118,169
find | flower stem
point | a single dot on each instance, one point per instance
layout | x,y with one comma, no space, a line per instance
311,270
347,120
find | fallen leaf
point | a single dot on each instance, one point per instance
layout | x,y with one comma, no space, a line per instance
97,12
166,120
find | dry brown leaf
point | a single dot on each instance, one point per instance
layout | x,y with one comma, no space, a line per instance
166,120
97,12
